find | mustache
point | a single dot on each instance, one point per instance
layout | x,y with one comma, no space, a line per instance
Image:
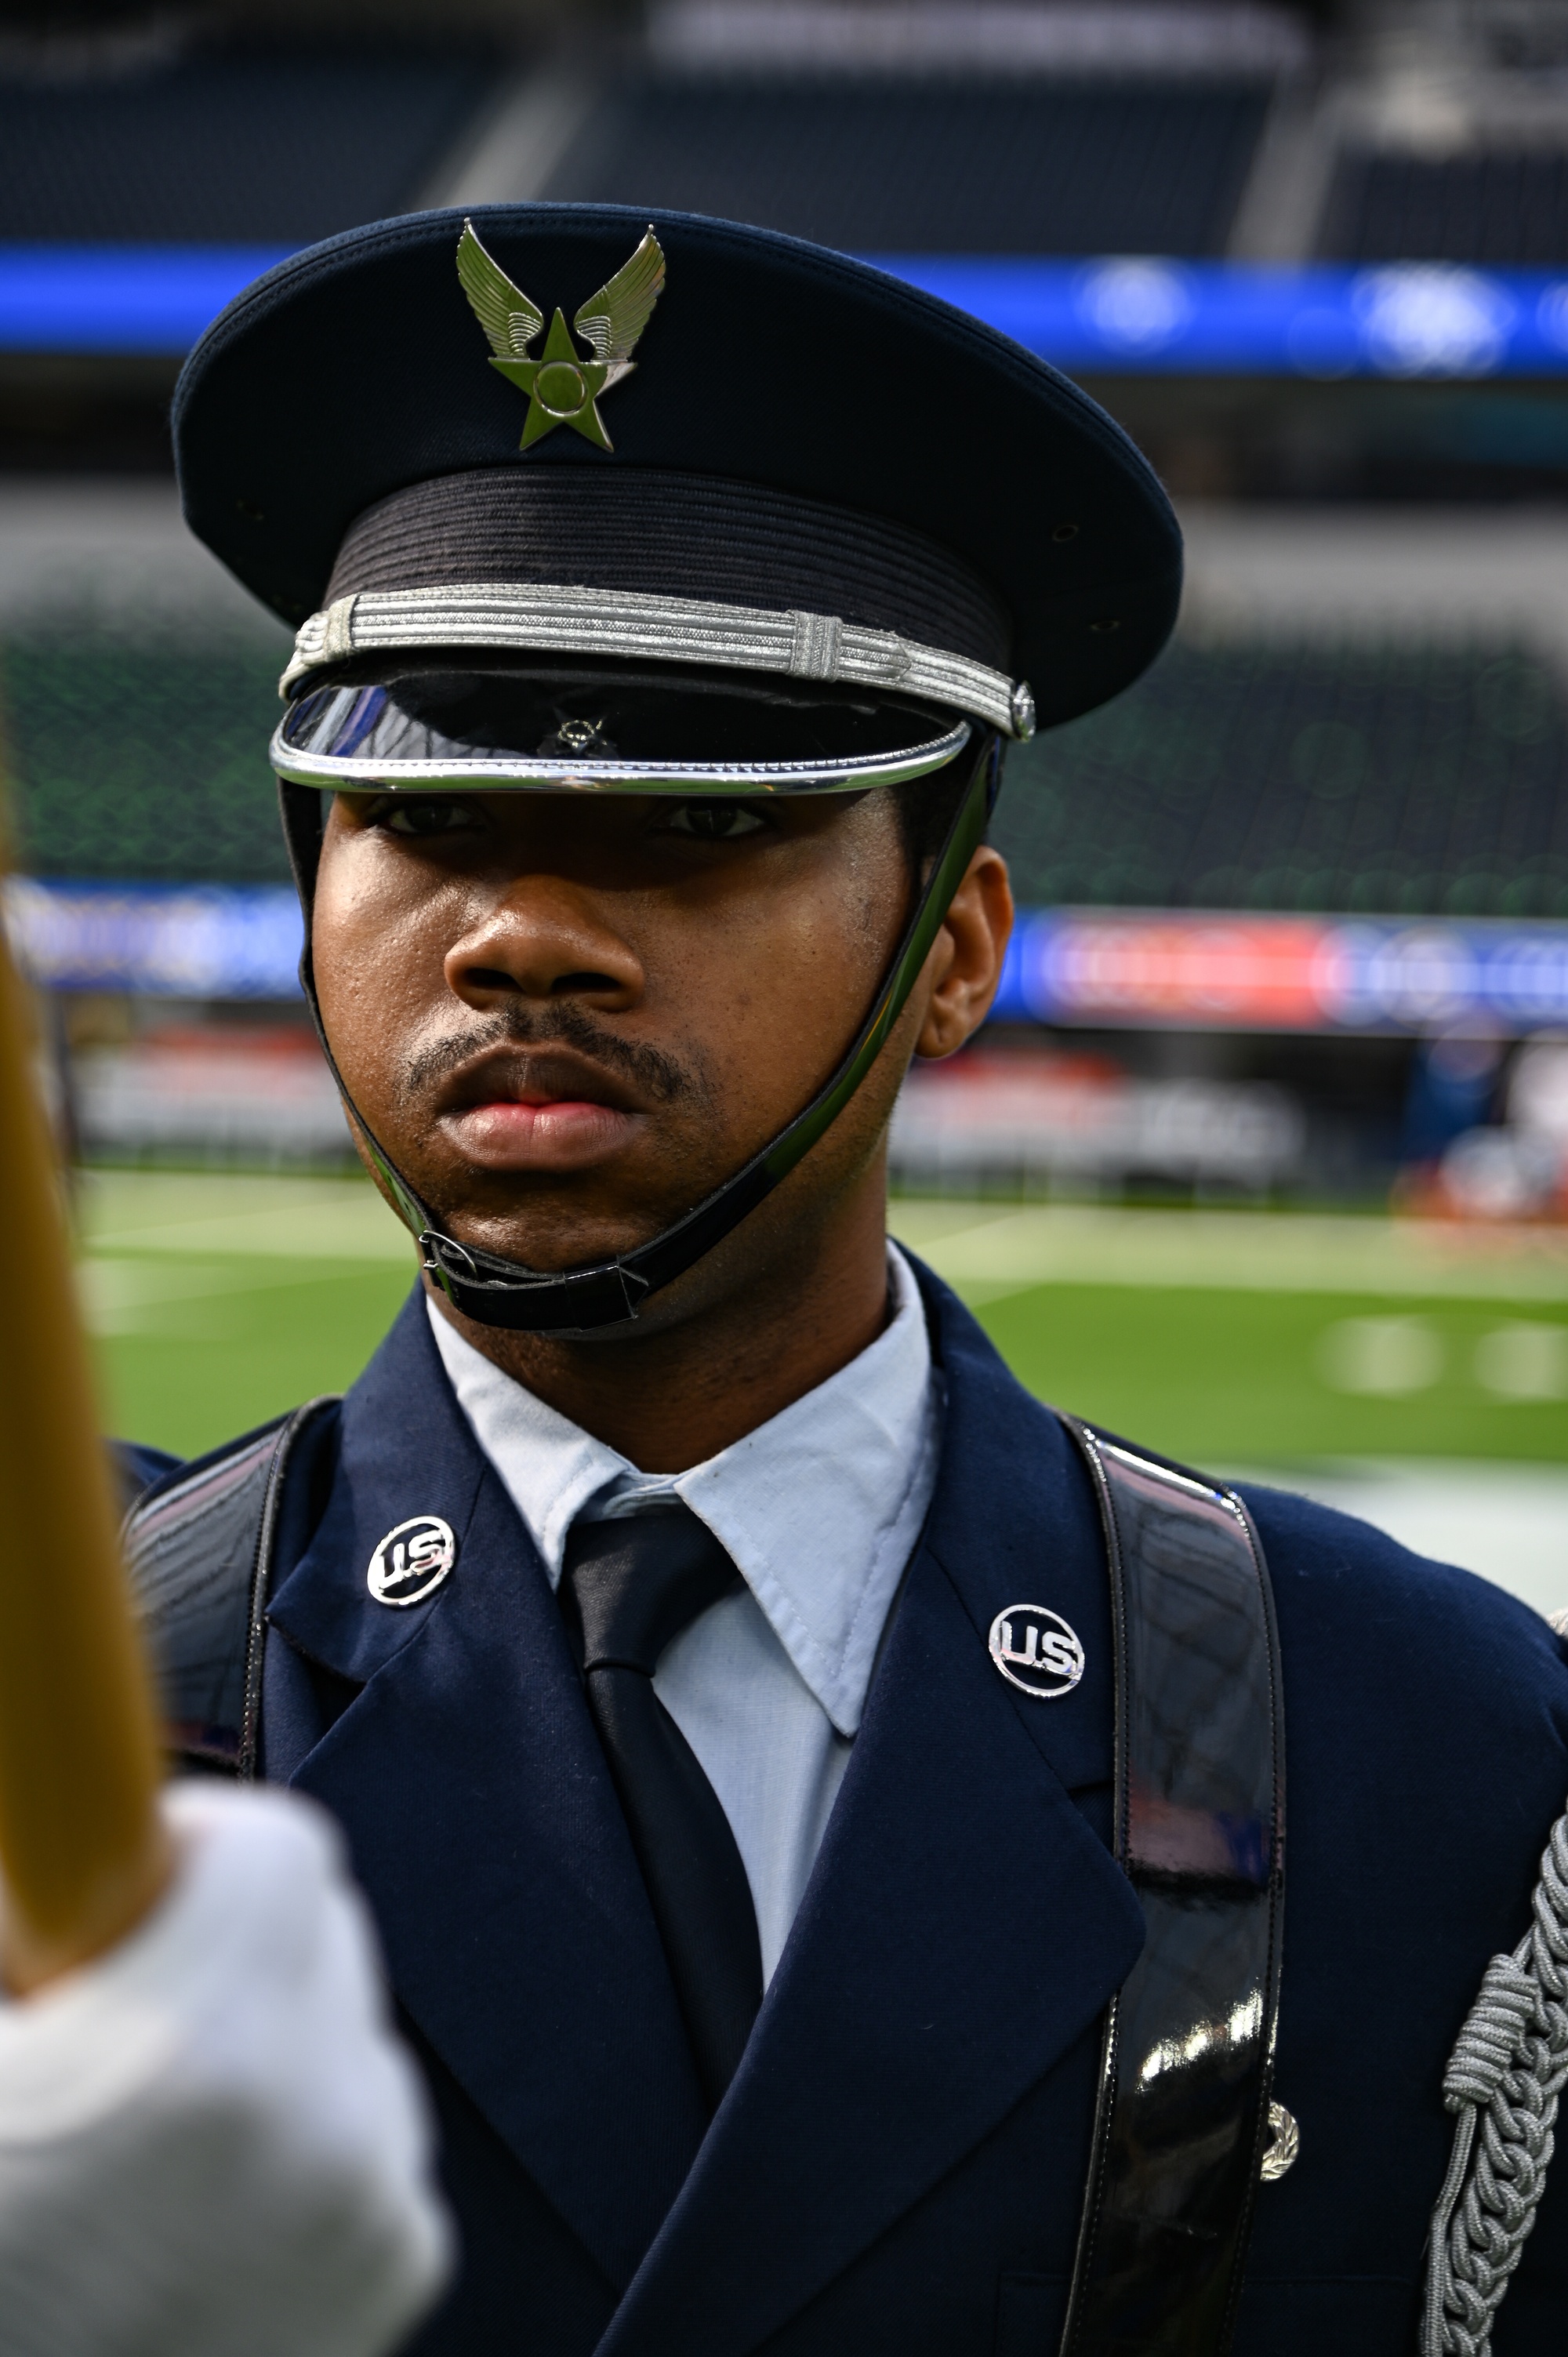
653,1073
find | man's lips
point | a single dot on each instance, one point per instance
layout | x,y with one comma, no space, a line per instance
561,1133
551,1111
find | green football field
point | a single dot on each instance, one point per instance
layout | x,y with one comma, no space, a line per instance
1219,1337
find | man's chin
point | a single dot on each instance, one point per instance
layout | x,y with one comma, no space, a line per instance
550,1228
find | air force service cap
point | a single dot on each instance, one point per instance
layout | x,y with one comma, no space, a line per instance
759,518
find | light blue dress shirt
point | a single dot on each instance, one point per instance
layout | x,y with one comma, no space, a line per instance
819,1510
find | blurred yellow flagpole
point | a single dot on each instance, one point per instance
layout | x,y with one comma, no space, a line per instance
82,1853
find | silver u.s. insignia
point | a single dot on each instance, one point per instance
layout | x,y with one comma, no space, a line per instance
1035,1650
562,388
412,1560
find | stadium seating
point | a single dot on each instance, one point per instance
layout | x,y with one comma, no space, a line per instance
1414,779
1501,205
140,762
262,147
1394,780
940,165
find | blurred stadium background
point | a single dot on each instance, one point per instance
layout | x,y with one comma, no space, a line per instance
1266,1156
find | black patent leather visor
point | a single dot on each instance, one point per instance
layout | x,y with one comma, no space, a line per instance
423,722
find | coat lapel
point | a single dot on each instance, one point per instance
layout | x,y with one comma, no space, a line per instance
964,1924
482,1822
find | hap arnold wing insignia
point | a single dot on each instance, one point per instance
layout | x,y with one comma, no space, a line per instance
562,389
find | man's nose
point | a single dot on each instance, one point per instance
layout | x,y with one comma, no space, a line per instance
547,938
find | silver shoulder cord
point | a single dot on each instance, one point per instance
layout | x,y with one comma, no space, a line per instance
1503,2082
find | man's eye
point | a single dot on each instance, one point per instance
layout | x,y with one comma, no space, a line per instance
427,816
714,821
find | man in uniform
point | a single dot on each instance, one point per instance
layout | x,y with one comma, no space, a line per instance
740,1697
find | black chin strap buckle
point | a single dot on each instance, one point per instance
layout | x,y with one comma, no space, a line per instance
497,1292
440,1251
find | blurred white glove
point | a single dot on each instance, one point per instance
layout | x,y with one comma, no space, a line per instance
211,2142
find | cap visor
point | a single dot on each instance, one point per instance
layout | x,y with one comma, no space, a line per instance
423,722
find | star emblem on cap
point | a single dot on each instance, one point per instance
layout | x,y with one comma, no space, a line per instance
562,388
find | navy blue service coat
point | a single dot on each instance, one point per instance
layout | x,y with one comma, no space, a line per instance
899,2163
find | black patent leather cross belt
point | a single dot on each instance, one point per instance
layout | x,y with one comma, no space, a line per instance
1182,2120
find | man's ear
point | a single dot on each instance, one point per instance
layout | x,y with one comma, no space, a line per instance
964,967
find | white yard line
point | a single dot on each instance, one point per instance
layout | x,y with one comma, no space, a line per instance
294,1219
126,1296
154,1241
989,1252
1510,1523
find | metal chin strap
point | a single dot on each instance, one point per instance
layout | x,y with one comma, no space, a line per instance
497,1292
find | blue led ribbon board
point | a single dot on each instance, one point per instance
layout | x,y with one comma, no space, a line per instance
1222,969
1145,315
120,298
1127,314
157,941
1242,970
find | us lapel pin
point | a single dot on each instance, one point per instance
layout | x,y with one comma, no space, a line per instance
412,1560
1035,1650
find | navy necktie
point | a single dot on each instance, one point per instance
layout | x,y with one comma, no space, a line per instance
628,1590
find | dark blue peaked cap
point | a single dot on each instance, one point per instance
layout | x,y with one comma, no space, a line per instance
358,369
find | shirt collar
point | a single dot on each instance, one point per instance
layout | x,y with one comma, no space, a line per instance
819,1508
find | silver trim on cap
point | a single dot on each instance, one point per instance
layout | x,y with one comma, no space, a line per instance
560,619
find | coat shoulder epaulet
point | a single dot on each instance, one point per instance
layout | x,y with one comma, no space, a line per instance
199,1550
